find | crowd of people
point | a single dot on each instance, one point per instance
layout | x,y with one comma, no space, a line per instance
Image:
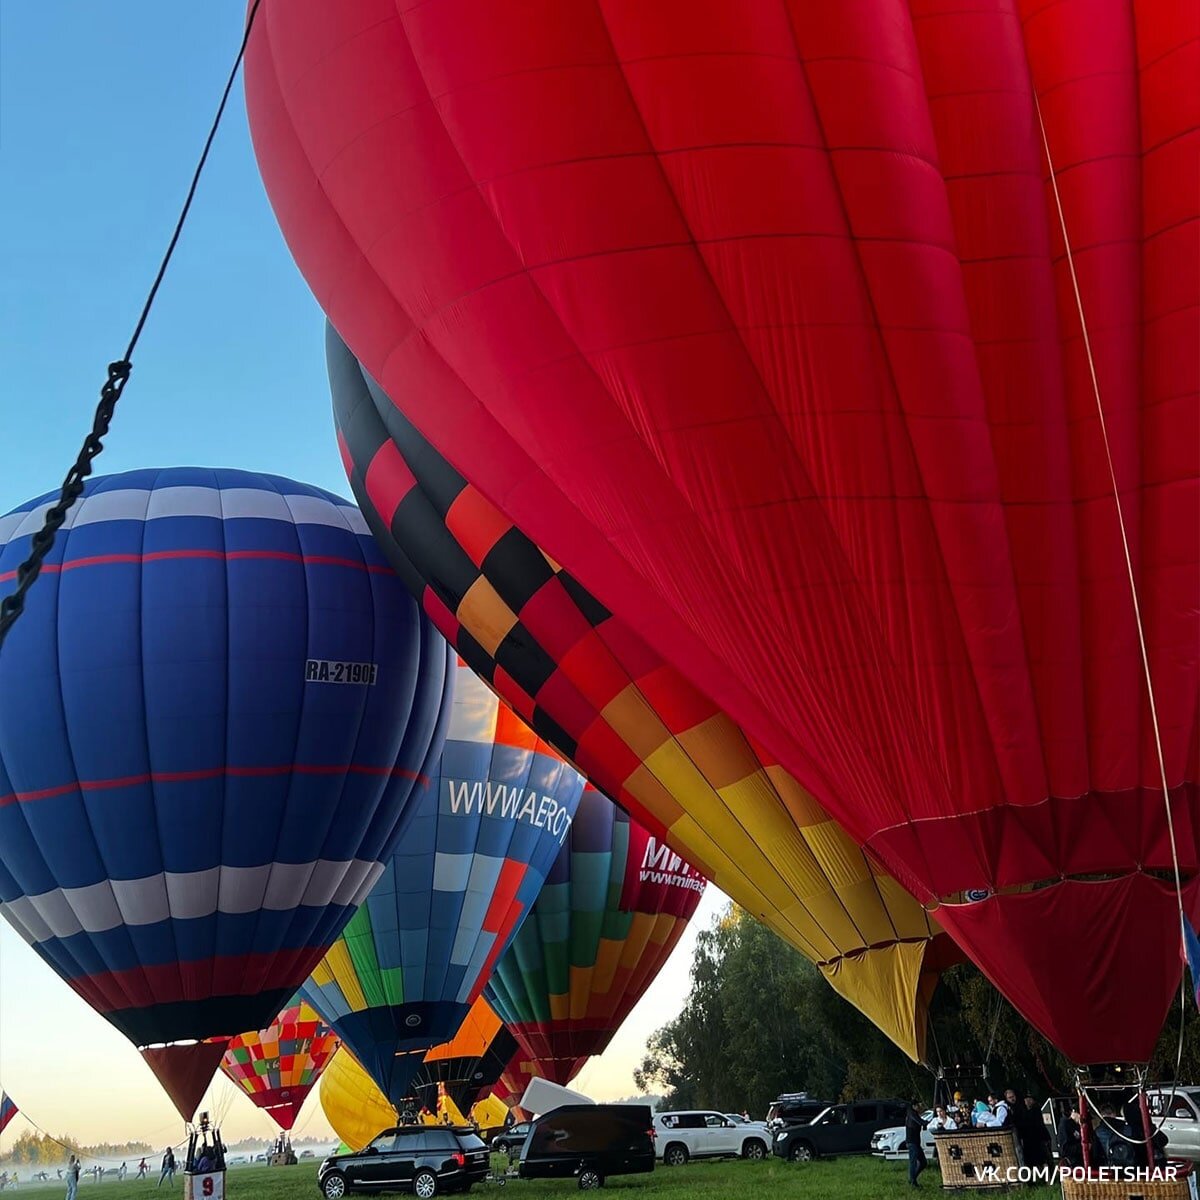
998,1111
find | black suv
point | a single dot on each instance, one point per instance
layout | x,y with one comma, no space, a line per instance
840,1129
426,1160
794,1108
509,1141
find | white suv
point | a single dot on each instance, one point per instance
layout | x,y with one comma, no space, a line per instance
704,1134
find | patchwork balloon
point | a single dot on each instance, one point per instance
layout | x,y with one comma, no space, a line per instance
469,861
215,710
278,1066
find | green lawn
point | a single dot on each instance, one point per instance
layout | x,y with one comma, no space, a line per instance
845,1179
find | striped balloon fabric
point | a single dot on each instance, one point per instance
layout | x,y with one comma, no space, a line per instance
612,910
278,1066
215,710
471,858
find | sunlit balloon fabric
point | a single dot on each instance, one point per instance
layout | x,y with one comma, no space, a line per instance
469,1063
470,860
278,1066
214,711
767,322
352,1103
607,919
589,685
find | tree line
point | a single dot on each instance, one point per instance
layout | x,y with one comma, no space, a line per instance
33,1148
761,1020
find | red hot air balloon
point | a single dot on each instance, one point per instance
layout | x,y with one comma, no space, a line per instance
818,342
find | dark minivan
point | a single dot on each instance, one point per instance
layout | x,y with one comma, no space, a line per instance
426,1160
590,1142
840,1129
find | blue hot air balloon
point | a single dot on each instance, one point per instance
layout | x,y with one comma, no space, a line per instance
471,857
218,705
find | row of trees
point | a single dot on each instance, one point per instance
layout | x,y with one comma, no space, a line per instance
760,1020
33,1148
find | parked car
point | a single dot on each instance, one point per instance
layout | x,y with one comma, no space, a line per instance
590,1142
307,1154
794,1108
509,1141
892,1143
1177,1107
423,1159
840,1129
705,1134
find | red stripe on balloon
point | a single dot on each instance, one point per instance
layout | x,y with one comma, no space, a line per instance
100,785
103,560
170,983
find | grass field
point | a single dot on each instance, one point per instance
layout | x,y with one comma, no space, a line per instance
844,1179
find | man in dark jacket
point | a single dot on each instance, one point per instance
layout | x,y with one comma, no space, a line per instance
1032,1133
913,1128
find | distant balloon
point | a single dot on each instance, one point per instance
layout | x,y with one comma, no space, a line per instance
469,861
469,1063
278,1066
643,734
213,714
352,1103
614,905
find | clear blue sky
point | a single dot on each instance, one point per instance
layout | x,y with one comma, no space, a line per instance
103,109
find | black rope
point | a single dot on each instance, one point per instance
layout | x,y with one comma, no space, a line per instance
13,604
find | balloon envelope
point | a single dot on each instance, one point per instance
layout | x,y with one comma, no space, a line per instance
470,859
609,703
278,1066
785,330
612,909
352,1103
469,1063
213,713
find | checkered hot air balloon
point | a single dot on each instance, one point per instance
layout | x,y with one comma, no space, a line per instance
278,1066
470,860
216,708
612,910
642,733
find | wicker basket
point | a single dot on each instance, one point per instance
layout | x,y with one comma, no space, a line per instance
976,1158
1183,1188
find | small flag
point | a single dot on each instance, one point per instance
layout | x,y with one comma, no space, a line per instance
8,1110
1191,946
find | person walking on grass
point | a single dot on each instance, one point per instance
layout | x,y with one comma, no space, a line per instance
914,1126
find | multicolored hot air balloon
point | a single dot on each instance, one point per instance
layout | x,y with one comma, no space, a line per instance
278,1066
612,909
469,1063
470,860
352,1103
214,712
588,683
848,354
